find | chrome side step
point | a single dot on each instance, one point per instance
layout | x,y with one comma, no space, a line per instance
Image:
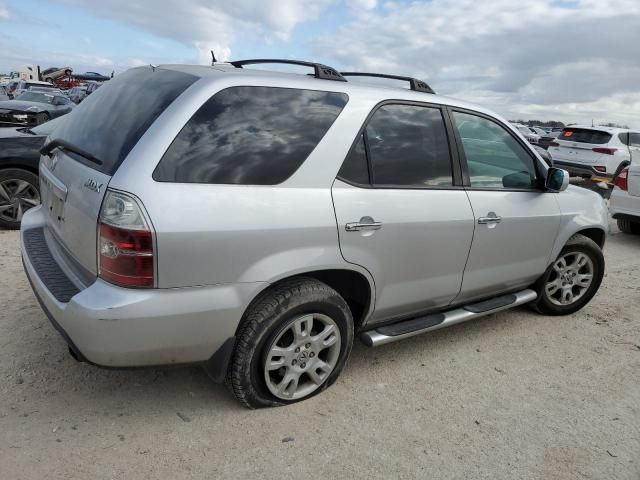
416,326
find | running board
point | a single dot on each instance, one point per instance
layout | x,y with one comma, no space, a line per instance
428,323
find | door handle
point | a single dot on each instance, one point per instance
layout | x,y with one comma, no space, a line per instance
490,218
365,223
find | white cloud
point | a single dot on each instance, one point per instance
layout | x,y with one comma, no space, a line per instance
362,4
4,13
544,57
209,24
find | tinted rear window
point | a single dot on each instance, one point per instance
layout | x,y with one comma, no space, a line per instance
110,121
583,135
250,136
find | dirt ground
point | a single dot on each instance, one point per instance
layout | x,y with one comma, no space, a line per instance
510,396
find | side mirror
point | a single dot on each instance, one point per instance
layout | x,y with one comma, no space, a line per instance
557,179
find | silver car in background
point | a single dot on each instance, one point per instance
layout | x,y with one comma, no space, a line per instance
254,222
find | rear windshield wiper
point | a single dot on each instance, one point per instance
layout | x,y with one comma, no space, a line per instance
63,145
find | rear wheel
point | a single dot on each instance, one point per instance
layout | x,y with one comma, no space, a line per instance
293,343
627,226
572,279
19,191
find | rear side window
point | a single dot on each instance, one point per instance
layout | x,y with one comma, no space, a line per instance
250,136
406,146
109,122
634,139
583,135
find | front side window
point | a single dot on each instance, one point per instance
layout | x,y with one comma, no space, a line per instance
250,136
495,159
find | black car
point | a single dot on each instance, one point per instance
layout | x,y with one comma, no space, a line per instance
19,158
33,108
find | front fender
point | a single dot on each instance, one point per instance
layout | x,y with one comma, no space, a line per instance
580,209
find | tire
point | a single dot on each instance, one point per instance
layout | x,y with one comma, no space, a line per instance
627,226
12,188
42,117
48,79
269,324
547,303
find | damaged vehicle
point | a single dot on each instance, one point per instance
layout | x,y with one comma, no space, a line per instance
33,108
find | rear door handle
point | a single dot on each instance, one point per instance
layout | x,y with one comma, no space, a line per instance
365,223
490,218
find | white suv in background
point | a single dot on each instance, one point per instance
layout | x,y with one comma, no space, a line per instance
586,151
625,198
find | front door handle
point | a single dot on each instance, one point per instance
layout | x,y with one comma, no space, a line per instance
490,218
365,223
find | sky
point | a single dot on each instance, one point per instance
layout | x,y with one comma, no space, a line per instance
567,60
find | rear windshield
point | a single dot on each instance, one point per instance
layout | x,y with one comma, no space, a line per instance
110,121
583,135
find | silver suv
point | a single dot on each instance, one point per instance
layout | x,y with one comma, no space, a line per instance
254,222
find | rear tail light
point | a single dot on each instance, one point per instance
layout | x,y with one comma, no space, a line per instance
600,169
605,150
621,180
125,243
554,144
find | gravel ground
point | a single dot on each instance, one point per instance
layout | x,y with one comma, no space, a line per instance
513,395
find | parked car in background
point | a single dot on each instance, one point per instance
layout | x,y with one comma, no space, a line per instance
545,138
624,203
586,151
19,159
93,86
11,87
92,76
301,186
529,134
54,73
77,94
3,93
25,85
33,108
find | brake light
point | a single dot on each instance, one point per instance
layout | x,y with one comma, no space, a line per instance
554,144
125,243
600,169
622,180
605,150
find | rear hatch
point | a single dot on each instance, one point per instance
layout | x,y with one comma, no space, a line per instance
576,145
89,147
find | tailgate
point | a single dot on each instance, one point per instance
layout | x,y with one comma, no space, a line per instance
72,195
633,179
577,153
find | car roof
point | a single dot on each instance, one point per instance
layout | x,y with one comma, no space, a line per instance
383,91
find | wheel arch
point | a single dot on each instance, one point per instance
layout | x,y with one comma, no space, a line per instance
356,287
597,234
17,164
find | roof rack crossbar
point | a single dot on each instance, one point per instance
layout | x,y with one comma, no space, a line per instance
319,70
414,83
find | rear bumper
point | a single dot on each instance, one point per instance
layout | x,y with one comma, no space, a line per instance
577,169
119,327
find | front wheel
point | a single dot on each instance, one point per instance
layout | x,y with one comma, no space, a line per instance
292,344
572,279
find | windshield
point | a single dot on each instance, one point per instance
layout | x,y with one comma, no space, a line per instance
35,97
110,121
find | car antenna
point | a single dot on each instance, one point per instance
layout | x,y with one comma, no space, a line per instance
213,58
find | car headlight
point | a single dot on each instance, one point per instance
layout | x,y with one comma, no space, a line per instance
20,116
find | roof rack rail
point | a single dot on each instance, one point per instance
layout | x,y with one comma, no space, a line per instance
319,70
414,83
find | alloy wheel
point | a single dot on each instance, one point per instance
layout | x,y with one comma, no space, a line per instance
16,197
302,356
571,277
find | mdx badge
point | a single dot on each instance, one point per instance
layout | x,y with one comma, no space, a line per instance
92,184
